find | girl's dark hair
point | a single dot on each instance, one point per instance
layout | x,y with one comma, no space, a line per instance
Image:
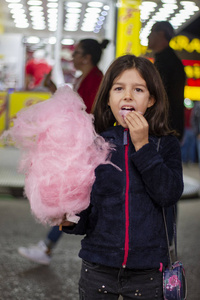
93,48
156,115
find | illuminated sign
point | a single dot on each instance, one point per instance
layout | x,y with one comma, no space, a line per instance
192,70
182,42
128,28
192,92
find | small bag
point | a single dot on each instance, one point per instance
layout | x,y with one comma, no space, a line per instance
174,280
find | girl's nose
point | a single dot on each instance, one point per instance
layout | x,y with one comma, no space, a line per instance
128,95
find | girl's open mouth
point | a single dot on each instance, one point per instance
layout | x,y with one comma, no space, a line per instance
125,110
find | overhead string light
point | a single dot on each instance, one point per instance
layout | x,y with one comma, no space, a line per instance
173,11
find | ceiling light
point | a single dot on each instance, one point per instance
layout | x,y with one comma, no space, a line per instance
13,1
21,24
184,3
91,17
71,21
70,28
73,4
15,5
67,42
168,1
35,8
36,13
32,40
95,4
20,18
74,10
17,11
39,27
34,2
52,11
170,6
38,17
148,4
106,7
104,13
99,23
93,10
88,29
72,16
36,22
52,5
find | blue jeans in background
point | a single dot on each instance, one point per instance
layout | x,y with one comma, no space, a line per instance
53,236
188,146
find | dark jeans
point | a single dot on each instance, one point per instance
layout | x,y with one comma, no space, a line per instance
100,282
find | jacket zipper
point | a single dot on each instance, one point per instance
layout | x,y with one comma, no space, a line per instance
126,246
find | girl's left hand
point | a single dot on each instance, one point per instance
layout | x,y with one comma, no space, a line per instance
65,222
138,128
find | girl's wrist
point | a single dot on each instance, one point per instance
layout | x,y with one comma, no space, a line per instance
138,146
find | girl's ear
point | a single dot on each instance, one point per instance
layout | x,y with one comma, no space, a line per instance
151,101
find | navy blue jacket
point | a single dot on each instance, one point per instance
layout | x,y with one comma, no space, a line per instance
123,225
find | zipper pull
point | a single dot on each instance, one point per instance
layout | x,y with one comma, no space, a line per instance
125,138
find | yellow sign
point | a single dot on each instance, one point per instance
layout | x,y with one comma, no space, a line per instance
19,100
192,92
128,28
182,42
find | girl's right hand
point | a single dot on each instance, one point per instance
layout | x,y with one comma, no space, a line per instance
138,128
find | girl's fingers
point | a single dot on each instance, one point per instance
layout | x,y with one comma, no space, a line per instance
135,118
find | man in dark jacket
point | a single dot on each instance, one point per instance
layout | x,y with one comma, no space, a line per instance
171,71
173,76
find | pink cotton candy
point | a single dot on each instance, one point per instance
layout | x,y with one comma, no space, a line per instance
124,112
60,151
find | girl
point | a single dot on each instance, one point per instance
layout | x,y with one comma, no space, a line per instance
125,248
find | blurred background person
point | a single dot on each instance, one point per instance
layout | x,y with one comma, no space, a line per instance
86,57
188,145
36,69
171,71
195,121
173,76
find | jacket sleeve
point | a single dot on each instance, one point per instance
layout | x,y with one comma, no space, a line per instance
161,170
80,227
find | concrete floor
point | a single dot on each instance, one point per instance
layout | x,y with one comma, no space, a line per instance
21,279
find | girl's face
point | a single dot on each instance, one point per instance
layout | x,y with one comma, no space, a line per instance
129,93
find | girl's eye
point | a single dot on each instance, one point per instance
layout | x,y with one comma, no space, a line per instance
118,88
138,90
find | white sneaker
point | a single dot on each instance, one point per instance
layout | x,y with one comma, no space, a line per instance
36,253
